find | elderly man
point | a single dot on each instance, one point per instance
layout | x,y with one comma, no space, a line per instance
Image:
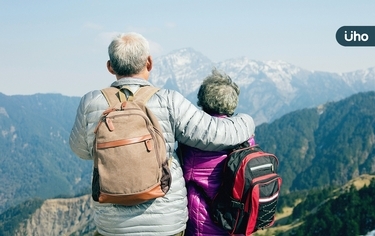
131,63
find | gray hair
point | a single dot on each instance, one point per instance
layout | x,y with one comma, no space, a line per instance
218,94
128,54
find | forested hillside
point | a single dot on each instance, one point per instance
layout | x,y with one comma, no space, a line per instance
328,145
35,158
351,213
335,211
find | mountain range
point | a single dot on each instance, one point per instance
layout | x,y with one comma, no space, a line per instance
268,89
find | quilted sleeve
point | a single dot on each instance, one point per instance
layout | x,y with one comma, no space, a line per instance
82,134
196,128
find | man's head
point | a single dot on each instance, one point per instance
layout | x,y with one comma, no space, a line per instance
218,94
129,55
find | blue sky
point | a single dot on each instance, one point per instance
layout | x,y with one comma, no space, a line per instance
61,46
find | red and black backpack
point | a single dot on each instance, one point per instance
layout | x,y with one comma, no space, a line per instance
247,198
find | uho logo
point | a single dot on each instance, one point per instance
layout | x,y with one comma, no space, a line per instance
356,36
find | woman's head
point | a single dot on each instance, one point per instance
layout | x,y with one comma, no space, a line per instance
218,94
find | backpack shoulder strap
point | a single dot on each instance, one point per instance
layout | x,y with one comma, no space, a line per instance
144,93
112,96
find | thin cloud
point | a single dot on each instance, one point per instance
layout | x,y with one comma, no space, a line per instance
106,37
170,25
155,49
93,26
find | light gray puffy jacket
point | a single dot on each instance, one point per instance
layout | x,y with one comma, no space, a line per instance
181,121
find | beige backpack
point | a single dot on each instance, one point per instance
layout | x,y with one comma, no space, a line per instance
130,164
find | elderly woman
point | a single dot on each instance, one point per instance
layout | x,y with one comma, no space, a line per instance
217,96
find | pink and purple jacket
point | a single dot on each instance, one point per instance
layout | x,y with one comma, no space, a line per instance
202,168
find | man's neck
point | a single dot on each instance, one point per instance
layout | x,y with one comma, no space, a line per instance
142,75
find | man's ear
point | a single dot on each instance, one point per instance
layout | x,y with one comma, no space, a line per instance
109,68
149,63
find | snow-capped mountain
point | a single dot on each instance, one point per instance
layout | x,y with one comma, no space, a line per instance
268,89
182,70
